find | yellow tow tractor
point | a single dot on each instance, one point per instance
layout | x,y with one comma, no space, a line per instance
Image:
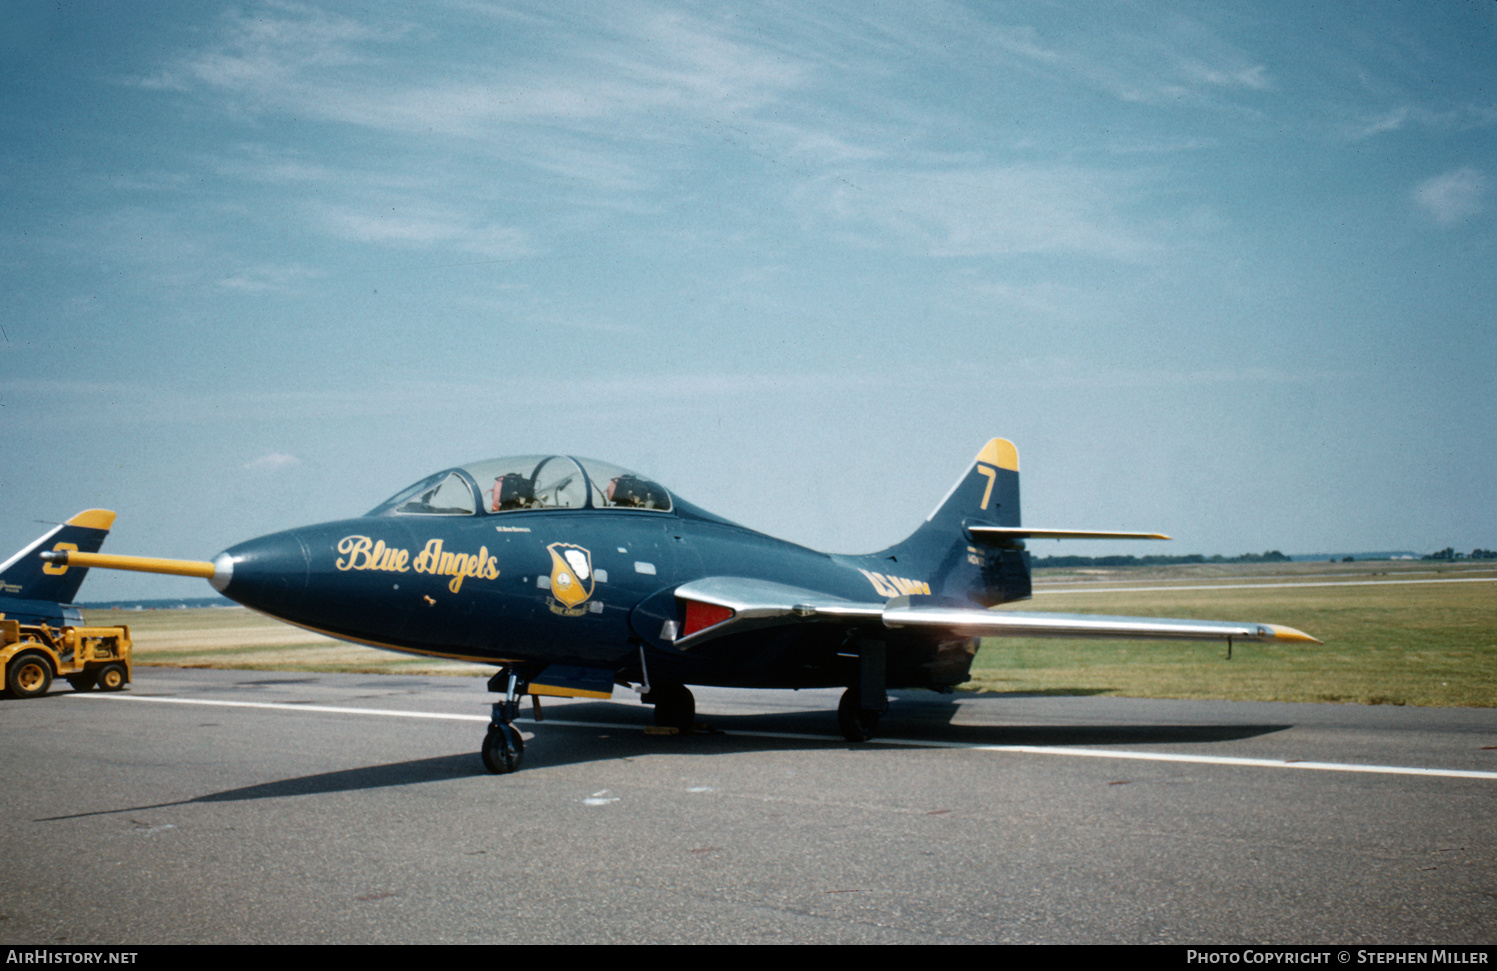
34,654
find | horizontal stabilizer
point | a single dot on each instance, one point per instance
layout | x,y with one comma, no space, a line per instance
1000,534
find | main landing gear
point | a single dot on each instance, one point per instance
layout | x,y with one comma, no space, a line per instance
503,745
674,706
857,723
862,703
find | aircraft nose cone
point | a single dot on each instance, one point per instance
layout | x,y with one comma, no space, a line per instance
268,574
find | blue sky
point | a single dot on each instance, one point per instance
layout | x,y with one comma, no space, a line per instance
1220,270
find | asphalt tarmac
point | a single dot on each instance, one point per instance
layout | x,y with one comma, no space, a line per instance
244,807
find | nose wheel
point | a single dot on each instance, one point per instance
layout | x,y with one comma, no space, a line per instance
503,748
503,745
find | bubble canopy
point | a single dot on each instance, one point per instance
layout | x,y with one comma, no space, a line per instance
522,483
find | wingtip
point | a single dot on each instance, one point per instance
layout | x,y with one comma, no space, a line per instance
1282,633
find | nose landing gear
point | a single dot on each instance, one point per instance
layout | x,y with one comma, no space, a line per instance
503,745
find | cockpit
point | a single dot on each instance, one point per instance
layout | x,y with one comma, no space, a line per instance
523,483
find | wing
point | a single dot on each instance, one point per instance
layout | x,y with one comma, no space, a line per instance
715,606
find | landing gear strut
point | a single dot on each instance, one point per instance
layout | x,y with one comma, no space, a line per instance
503,745
863,702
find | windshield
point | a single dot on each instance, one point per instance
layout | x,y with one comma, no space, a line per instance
526,482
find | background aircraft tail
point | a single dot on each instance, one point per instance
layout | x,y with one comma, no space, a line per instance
32,591
953,561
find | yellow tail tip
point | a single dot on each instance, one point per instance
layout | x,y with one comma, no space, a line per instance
1000,452
93,519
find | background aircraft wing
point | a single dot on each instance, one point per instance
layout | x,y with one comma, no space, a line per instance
721,605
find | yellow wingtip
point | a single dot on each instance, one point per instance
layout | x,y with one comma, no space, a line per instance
1282,633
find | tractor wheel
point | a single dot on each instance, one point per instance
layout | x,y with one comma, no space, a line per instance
29,675
111,677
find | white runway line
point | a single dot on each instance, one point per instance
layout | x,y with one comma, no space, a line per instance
1102,753
281,706
1088,753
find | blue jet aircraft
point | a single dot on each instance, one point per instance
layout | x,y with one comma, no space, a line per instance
574,575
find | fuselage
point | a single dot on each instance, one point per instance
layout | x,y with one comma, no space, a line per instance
589,587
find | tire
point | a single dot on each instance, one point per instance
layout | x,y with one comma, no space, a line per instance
674,707
857,725
29,675
111,677
503,749
84,681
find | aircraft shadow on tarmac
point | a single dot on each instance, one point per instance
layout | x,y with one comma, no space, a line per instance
592,732
583,732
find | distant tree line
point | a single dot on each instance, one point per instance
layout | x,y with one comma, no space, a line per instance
1272,556
1449,553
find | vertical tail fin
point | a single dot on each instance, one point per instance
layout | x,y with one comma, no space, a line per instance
943,552
32,591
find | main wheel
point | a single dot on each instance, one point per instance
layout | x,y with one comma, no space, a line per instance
111,677
503,749
28,675
857,725
674,706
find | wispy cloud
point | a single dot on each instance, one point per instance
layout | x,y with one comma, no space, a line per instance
292,57
1010,210
1391,120
271,462
1191,65
1453,197
1078,373
269,279
419,226
270,51
1253,77
1459,118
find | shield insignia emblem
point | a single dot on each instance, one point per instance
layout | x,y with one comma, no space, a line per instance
571,573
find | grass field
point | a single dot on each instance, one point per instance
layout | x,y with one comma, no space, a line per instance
1390,643
1386,643
236,637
